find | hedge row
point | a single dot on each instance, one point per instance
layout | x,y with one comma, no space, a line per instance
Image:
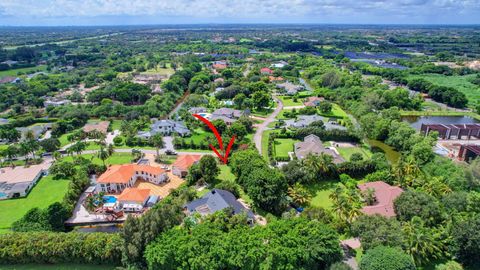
54,247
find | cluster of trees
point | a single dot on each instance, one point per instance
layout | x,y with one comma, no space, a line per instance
443,94
54,247
267,187
226,243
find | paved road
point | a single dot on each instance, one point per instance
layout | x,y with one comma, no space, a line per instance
257,138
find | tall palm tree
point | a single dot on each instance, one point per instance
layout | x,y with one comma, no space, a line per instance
320,164
103,154
157,141
10,153
299,194
423,243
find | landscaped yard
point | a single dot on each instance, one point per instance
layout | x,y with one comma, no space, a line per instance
46,192
116,158
283,146
15,72
336,112
288,101
347,152
265,135
226,173
320,193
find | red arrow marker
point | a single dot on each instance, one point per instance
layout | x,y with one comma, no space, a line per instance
223,158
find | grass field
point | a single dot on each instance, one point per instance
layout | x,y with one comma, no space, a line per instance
283,146
288,101
347,152
336,112
116,158
226,173
15,72
265,143
320,193
46,192
460,83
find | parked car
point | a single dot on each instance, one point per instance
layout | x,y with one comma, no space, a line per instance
170,152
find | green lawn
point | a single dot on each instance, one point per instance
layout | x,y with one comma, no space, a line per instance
116,158
14,72
283,146
46,192
336,112
460,83
281,116
226,173
288,101
265,143
320,193
347,152
116,124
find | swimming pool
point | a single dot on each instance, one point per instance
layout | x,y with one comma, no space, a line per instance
109,199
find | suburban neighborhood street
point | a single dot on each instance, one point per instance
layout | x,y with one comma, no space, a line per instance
263,126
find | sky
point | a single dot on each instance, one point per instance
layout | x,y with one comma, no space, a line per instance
134,12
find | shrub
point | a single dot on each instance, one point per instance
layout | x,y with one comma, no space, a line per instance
118,141
386,258
50,247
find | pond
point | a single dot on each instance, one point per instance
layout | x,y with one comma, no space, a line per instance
390,153
417,121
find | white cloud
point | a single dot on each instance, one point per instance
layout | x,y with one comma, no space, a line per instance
310,10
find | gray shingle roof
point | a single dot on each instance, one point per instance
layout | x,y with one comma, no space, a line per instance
217,200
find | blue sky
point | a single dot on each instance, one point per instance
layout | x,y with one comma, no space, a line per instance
114,12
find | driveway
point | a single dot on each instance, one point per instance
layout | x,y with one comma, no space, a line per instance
257,138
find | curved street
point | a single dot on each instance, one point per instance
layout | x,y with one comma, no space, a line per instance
257,138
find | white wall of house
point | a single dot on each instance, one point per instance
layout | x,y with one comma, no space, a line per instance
119,187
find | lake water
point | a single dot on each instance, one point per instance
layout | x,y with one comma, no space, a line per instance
417,121
390,153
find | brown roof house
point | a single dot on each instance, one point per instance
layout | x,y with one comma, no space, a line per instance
313,101
183,163
101,127
384,197
313,145
228,115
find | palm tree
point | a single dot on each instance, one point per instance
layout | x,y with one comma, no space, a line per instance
299,194
103,154
10,153
157,141
110,149
56,155
435,186
136,154
423,243
321,165
78,147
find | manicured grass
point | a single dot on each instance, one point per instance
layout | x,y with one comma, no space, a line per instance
265,143
283,146
281,114
288,101
320,193
336,112
347,152
116,124
198,135
116,158
226,173
262,113
14,72
46,192
460,83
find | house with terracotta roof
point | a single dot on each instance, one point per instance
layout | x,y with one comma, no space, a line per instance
385,194
101,127
133,199
266,71
119,177
183,163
